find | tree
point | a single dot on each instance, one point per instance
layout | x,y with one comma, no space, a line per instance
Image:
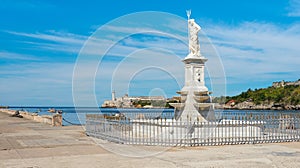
288,95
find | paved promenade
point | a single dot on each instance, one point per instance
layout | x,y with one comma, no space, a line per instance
25,143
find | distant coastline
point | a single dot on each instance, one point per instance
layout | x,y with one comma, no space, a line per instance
280,96
146,102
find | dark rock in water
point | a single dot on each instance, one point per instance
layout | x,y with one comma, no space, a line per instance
17,114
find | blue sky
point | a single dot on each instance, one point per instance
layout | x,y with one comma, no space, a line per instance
258,42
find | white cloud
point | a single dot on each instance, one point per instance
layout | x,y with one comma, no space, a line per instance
56,41
52,77
174,45
53,36
72,43
251,52
16,56
254,52
36,84
294,8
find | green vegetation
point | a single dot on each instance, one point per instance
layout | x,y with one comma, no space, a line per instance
154,103
142,103
288,95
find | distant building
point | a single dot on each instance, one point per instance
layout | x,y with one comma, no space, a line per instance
127,101
230,103
286,83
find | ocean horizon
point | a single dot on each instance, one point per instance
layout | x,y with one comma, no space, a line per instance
76,115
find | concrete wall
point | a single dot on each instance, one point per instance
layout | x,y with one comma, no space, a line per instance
55,120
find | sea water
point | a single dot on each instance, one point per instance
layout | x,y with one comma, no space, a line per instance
76,116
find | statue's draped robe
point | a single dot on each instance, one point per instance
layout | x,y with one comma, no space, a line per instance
194,46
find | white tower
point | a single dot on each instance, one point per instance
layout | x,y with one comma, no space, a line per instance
195,100
113,95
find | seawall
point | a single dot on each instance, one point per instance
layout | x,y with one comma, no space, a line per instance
54,120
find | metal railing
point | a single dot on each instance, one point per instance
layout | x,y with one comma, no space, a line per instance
229,129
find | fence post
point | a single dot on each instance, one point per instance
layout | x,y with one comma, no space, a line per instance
150,127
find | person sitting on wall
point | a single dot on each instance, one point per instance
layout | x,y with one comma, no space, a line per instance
17,114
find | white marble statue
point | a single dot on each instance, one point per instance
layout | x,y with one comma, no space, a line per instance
196,102
194,28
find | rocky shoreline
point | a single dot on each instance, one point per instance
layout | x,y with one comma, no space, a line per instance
251,106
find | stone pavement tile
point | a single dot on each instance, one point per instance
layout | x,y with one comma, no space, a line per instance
29,144
261,155
13,154
9,154
49,142
98,161
4,144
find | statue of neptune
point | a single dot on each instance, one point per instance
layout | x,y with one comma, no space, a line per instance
194,28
